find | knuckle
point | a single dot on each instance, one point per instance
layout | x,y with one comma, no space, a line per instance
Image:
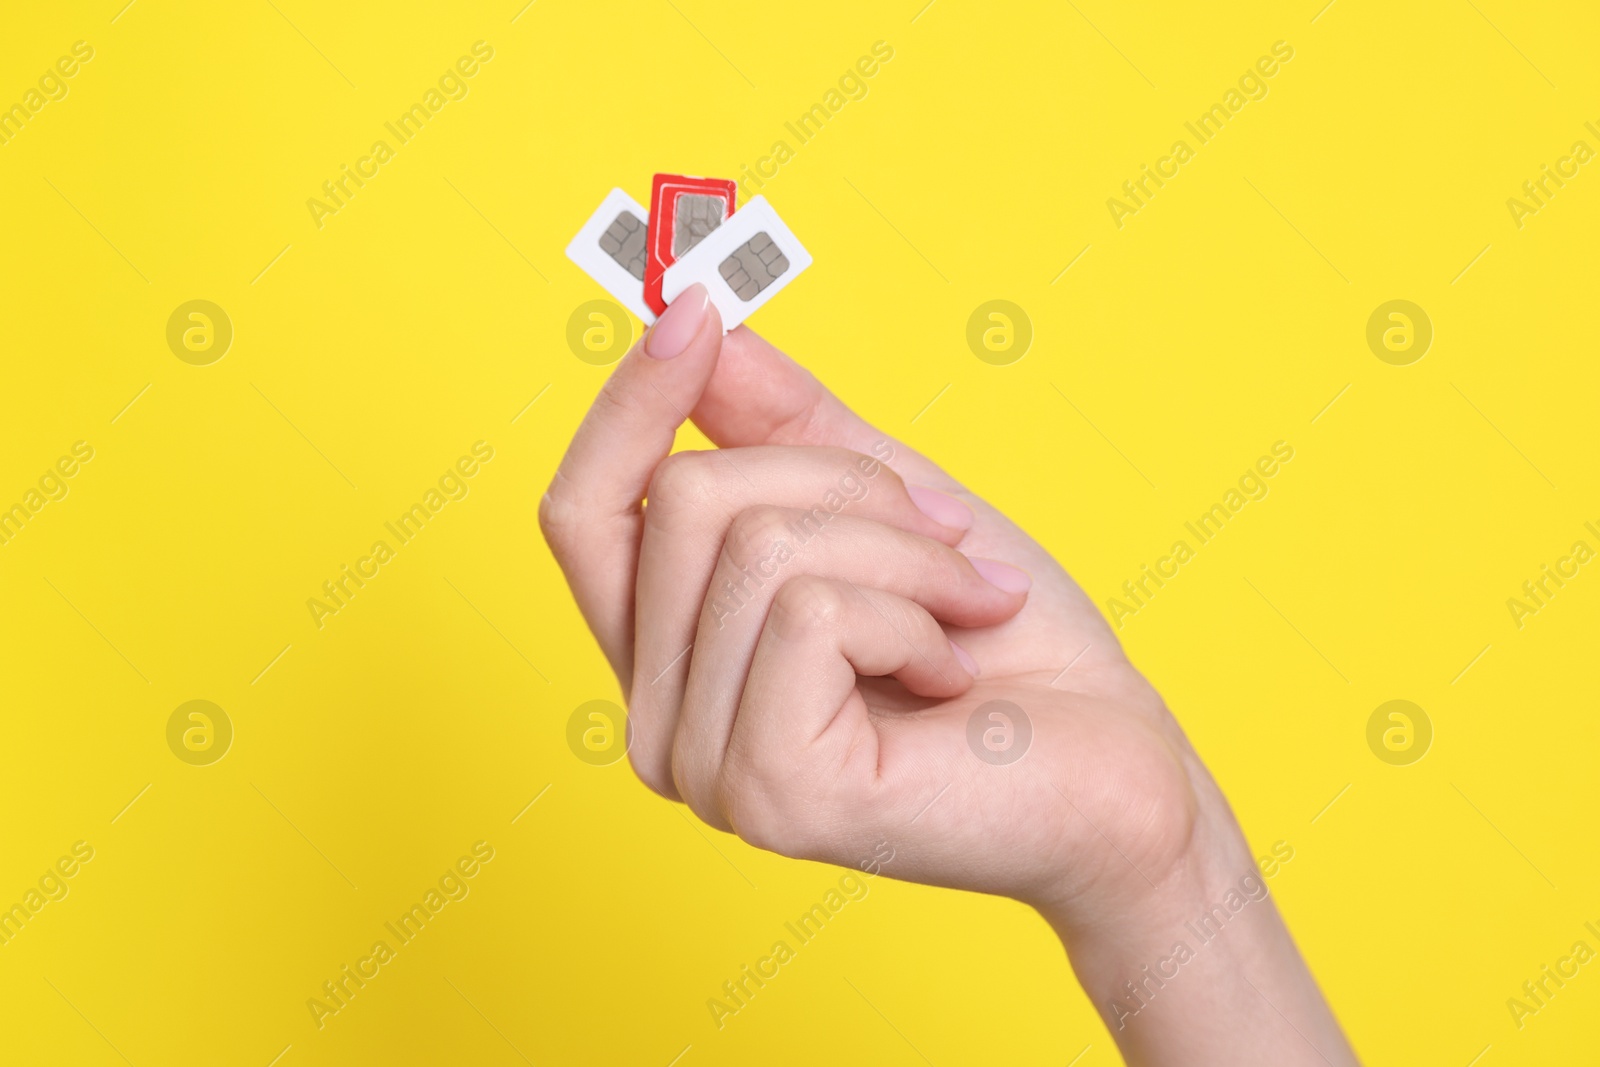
619,399
689,785
683,482
853,473
872,467
653,774
755,531
559,517
935,558
752,815
807,605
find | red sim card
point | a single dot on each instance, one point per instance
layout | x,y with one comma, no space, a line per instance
683,210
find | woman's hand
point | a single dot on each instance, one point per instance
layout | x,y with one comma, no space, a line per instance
835,651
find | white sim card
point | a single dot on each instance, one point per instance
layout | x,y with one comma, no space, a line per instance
611,249
742,263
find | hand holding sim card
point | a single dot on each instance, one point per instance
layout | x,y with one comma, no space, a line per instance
832,648
691,233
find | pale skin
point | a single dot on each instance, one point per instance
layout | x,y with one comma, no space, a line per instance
807,685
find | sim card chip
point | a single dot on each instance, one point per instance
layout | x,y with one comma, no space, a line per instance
743,263
612,249
684,211
753,266
697,215
623,241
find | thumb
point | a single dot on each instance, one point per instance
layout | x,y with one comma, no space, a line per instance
592,514
758,396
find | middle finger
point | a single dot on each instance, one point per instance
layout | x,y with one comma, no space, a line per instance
693,500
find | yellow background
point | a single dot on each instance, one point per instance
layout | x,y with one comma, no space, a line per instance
432,309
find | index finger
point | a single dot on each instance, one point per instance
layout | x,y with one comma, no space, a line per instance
592,515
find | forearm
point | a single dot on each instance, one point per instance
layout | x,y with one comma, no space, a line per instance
1202,970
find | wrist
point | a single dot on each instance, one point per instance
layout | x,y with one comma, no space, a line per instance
1196,966
1111,932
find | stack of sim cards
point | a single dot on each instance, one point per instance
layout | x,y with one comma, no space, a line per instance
690,234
